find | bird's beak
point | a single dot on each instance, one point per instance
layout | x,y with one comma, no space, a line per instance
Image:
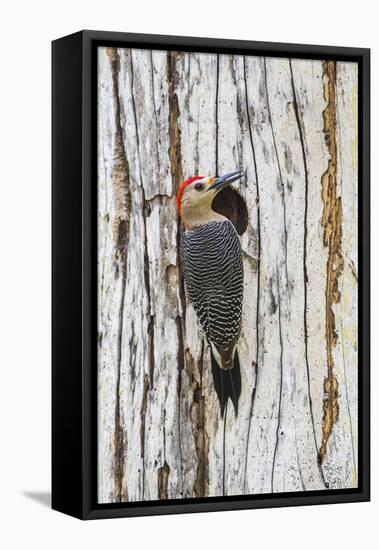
223,181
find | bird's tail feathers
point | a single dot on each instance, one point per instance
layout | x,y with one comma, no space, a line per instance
227,382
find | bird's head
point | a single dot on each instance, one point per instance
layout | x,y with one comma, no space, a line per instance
196,194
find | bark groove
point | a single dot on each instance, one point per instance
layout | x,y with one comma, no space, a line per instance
291,125
120,177
332,225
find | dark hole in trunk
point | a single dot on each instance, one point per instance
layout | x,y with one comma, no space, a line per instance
230,204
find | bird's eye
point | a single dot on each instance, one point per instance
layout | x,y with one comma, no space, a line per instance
198,186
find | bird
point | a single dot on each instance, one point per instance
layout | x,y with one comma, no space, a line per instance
211,258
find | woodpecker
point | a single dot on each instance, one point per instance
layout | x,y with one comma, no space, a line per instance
210,252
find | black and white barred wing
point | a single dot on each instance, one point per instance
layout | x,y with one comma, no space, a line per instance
213,272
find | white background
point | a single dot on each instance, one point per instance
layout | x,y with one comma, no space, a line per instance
26,31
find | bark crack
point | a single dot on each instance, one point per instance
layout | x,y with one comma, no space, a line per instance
181,366
280,382
298,459
332,224
121,194
258,263
175,146
305,268
146,388
282,188
155,113
198,417
149,378
164,471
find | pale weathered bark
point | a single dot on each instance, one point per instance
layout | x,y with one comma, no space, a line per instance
292,126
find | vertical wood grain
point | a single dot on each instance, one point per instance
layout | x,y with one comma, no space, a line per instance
163,117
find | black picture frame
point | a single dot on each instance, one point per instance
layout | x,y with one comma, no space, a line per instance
74,367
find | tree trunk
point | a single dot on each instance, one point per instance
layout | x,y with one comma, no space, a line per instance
292,125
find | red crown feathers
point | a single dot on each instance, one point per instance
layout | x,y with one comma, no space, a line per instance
181,190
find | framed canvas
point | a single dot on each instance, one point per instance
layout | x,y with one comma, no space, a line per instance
210,274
